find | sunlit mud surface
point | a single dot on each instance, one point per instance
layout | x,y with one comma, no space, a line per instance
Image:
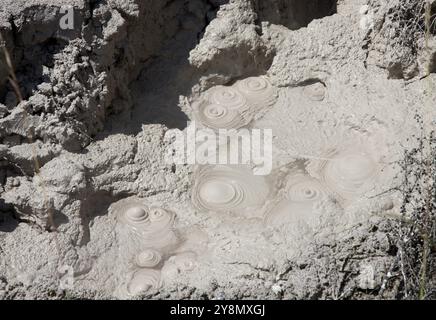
107,215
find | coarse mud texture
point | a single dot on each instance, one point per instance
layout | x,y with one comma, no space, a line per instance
397,39
90,206
75,79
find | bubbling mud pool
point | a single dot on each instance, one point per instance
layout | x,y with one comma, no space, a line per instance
229,189
233,107
154,249
296,193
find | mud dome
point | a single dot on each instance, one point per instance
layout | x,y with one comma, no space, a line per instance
107,217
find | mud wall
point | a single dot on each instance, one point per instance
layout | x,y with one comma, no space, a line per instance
73,79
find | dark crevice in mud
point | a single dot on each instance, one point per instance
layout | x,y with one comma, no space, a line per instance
8,217
432,65
433,18
8,172
310,82
5,86
97,204
294,14
210,15
33,68
31,72
395,70
80,83
14,30
167,74
93,4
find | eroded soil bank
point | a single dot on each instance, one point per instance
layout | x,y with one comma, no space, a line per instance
90,208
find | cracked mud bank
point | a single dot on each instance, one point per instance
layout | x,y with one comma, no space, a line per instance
89,206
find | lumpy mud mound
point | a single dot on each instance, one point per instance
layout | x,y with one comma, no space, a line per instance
91,208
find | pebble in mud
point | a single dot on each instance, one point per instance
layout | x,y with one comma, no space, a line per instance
228,189
233,107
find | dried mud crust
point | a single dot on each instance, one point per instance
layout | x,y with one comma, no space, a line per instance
99,100
74,80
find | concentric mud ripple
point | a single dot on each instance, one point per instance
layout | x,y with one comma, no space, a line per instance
161,218
349,173
305,189
148,258
144,280
299,198
258,91
134,214
218,116
154,225
179,264
228,189
233,107
228,97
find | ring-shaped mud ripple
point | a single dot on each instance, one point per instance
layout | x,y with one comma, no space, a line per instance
228,189
233,107
143,281
218,116
148,258
135,215
258,91
154,225
299,199
228,97
349,174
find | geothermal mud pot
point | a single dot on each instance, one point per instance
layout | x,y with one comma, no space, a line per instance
90,206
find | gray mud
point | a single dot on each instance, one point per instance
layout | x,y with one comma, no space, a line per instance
90,208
